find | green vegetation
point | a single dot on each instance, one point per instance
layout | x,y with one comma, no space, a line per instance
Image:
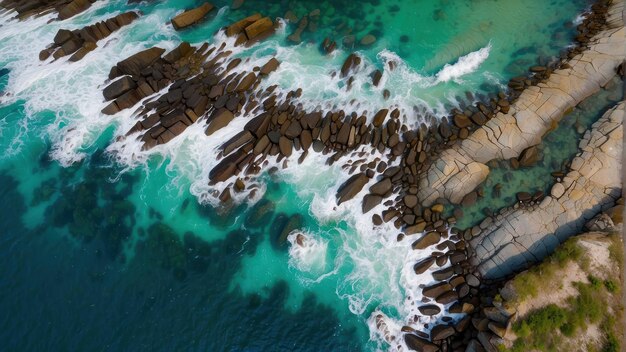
537,330
611,286
544,329
529,283
616,250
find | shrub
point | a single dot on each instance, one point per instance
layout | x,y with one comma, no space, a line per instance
594,281
616,250
569,250
612,344
611,286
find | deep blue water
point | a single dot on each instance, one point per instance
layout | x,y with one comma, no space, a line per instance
57,294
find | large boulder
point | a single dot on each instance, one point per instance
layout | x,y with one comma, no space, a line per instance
239,26
137,62
427,240
258,27
191,17
118,88
351,62
351,187
441,332
270,66
423,265
419,344
220,118
429,309
260,214
529,156
73,8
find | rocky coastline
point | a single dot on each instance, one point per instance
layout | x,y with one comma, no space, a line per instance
420,169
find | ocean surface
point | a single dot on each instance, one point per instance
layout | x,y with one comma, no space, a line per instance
104,247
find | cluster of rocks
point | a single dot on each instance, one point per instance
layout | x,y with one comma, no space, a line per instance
454,284
310,23
196,86
64,8
593,23
80,42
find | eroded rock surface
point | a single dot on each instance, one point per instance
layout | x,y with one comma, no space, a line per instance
521,236
461,168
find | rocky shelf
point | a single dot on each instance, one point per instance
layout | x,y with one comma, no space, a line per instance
522,235
461,168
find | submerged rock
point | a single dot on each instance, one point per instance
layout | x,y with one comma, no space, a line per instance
260,214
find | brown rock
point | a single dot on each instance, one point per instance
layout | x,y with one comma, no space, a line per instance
246,82
529,156
469,199
73,8
351,62
237,141
443,274
270,66
419,344
227,167
429,309
447,297
191,17
258,125
382,187
437,208
370,201
410,200
218,120
441,332
261,145
285,145
238,27
462,121
423,265
524,196
379,118
479,118
118,88
351,187
137,62
258,27
429,239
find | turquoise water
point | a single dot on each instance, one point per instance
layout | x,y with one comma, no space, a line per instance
106,247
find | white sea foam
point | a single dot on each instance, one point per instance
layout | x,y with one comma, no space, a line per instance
464,65
307,252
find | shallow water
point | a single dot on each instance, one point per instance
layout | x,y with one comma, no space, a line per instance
109,248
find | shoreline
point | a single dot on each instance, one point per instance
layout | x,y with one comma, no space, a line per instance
281,128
